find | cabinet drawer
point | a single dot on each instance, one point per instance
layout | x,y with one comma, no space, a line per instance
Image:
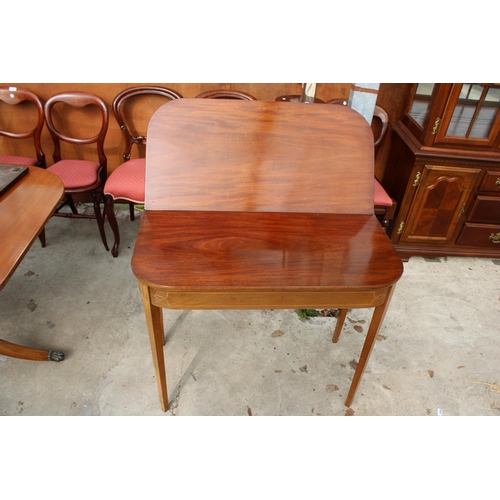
491,181
486,209
480,235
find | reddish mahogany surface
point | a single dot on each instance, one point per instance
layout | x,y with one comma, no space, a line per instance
255,156
255,204
24,210
255,250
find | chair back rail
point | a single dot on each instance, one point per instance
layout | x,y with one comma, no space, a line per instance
383,116
77,100
14,96
226,94
125,95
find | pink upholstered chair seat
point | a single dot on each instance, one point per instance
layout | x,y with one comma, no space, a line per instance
381,198
76,174
127,182
19,160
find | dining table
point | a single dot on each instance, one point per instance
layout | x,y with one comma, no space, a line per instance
25,208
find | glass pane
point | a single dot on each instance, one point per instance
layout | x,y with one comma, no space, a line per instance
493,94
487,114
471,92
421,102
464,110
465,90
474,112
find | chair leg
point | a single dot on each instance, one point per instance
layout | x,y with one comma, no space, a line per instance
99,218
386,214
41,237
132,211
109,206
384,222
71,203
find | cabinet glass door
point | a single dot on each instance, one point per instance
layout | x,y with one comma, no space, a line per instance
420,105
471,115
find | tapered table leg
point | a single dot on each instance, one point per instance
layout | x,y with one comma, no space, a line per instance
22,352
154,320
375,324
339,325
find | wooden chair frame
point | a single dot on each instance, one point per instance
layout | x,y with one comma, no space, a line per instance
225,94
13,96
130,140
80,100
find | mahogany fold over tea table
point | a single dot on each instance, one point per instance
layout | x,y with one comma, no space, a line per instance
261,205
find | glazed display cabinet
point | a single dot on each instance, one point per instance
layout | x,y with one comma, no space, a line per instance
444,171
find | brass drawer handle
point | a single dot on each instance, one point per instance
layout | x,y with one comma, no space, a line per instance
462,210
495,238
498,183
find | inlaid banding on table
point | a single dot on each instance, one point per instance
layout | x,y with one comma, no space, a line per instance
261,299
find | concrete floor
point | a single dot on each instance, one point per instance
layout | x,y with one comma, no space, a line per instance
437,353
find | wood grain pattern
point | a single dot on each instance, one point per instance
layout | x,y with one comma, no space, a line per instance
259,156
195,250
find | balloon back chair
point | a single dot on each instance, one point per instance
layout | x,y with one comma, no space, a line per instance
13,96
26,99
79,176
225,94
126,184
384,205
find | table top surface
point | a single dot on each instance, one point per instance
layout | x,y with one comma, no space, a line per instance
200,250
24,210
257,156
251,195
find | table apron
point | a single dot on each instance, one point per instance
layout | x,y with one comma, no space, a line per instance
238,299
